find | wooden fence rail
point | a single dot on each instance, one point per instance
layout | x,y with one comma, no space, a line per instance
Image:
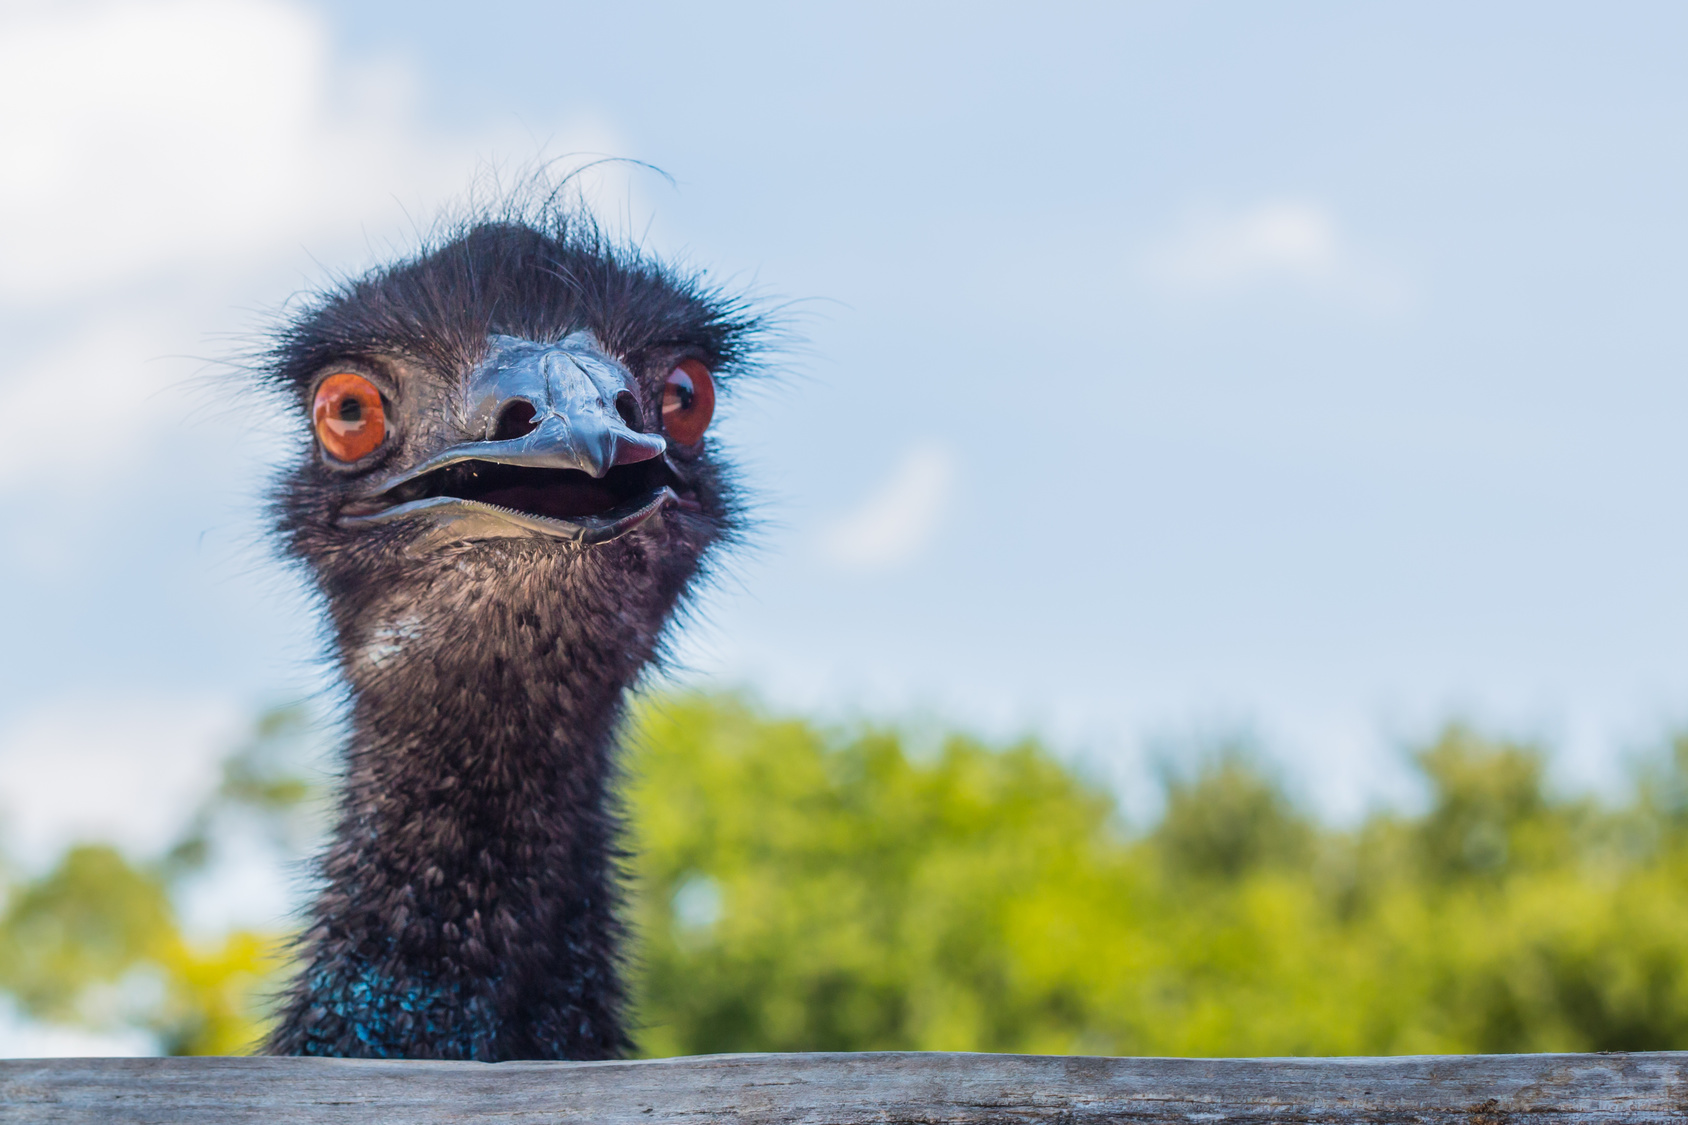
855,1089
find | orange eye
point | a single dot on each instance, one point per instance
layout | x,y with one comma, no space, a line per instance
350,421
688,402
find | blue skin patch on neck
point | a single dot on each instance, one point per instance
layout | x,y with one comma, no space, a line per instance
385,1014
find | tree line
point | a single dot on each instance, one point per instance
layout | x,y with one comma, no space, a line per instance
796,887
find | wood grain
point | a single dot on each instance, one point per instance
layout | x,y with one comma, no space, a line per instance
854,1089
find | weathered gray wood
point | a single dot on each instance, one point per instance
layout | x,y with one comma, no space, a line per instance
822,1089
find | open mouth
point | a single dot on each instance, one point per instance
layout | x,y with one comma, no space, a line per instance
559,494
487,499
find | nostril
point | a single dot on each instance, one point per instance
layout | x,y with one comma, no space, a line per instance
628,407
517,420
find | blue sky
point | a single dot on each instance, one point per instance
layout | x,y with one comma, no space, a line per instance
1313,370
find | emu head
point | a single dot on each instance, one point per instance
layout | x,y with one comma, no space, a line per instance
508,432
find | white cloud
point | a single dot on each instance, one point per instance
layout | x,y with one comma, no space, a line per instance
895,523
171,161
143,136
1285,239
76,405
144,133
1272,244
128,772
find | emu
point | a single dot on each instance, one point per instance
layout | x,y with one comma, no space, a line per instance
506,486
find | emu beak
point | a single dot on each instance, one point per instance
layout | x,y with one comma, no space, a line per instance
555,455
570,391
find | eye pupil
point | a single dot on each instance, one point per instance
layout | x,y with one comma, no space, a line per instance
351,410
681,394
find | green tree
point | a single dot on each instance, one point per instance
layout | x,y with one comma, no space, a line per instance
805,892
95,942
803,888
1229,819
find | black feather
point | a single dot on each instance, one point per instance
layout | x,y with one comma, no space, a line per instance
471,892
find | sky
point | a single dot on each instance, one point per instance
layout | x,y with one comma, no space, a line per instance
1309,373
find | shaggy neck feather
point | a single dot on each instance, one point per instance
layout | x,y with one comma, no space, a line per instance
470,903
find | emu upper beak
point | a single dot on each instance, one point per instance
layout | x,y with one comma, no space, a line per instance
555,456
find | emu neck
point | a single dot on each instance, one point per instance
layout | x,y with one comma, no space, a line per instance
469,910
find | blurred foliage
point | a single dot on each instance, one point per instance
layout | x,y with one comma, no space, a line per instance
96,941
804,891
799,888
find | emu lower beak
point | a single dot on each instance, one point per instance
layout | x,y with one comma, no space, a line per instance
555,456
